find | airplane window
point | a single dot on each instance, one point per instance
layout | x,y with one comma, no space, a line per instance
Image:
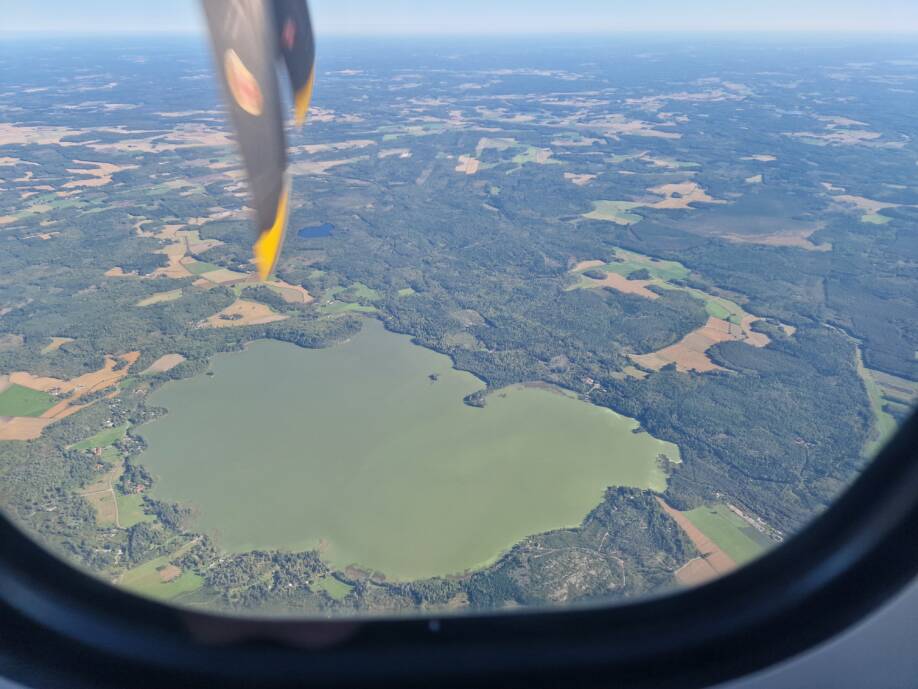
531,311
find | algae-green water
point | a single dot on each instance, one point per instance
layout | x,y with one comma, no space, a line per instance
359,450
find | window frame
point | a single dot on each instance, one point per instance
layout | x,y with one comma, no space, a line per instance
849,560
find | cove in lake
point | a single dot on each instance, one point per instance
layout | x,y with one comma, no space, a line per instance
357,448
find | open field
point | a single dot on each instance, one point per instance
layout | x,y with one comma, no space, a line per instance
713,561
240,313
222,276
622,284
198,267
165,363
103,438
884,425
680,196
335,588
56,343
17,400
579,179
690,353
96,175
292,294
661,272
614,211
130,510
147,579
337,307
728,531
468,165
160,297
103,502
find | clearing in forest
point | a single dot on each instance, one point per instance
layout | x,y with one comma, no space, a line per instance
614,211
65,395
242,312
730,532
165,363
713,561
160,297
691,352
468,165
56,343
17,400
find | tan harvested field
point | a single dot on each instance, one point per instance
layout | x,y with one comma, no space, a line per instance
29,428
321,167
6,161
224,276
400,152
579,178
586,265
623,284
795,238
840,137
633,372
615,125
716,561
864,204
165,363
242,312
501,144
4,382
118,272
690,353
56,343
160,297
103,502
21,427
183,136
169,573
13,134
98,175
695,572
336,146
292,294
681,195
468,165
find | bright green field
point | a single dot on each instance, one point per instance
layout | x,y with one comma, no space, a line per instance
334,588
734,536
884,425
662,272
361,291
345,307
200,267
356,445
876,218
145,579
17,400
614,211
130,510
103,438
659,269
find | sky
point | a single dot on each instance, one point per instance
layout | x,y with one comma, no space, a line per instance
443,17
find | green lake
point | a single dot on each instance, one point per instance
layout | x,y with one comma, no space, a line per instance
356,449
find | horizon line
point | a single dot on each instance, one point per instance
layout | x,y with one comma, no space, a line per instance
182,33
